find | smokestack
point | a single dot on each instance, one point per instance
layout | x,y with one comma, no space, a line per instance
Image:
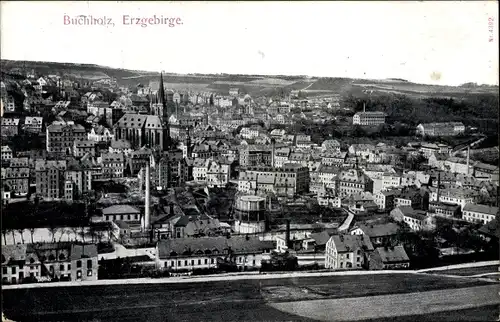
273,151
287,234
439,186
364,107
147,204
468,159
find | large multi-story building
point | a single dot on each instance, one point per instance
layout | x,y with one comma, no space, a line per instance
213,173
33,124
140,130
79,173
50,179
82,147
369,118
288,180
440,129
17,176
255,155
61,135
113,165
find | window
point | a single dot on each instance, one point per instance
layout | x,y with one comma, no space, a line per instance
211,260
89,264
78,264
172,263
179,263
89,273
69,267
199,261
13,270
358,259
79,274
61,267
4,270
347,255
206,261
185,263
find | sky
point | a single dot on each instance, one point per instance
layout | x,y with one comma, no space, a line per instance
445,43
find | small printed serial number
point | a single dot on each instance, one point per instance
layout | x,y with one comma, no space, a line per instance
491,23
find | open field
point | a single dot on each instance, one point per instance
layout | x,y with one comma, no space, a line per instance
469,271
228,300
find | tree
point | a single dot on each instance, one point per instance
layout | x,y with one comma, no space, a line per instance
32,233
13,231
21,232
4,233
53,231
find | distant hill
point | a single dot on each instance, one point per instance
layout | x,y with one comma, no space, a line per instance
253,84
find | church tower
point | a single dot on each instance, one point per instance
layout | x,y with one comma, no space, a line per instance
164,116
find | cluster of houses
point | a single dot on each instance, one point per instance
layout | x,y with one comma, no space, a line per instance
131,137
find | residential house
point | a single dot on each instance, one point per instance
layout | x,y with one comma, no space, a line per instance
33,124
479,213
6,153
100,133
121,212
416,219
389,258
61,135
209,252
17,176
10,127
386,199
347,251
331,145
379,234
113,165
444,209
50,179
121,146
353,181
82,147
412,197
453,195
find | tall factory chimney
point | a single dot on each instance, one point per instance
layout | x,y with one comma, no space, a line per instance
468,159
287,233
273,152
147,203
438,186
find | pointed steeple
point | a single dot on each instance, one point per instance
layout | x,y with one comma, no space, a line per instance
164,116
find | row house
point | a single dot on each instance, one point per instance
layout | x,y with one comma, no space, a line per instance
10,127
347,251
16,179
113,165
215,174
33,124
61,135
209,252
66,261
327,176
281,156
479,213
9,104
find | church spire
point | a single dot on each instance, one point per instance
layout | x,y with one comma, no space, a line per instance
166,127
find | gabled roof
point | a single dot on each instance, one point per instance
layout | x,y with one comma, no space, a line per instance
120,209
483,209
380,230
392,254
349,243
